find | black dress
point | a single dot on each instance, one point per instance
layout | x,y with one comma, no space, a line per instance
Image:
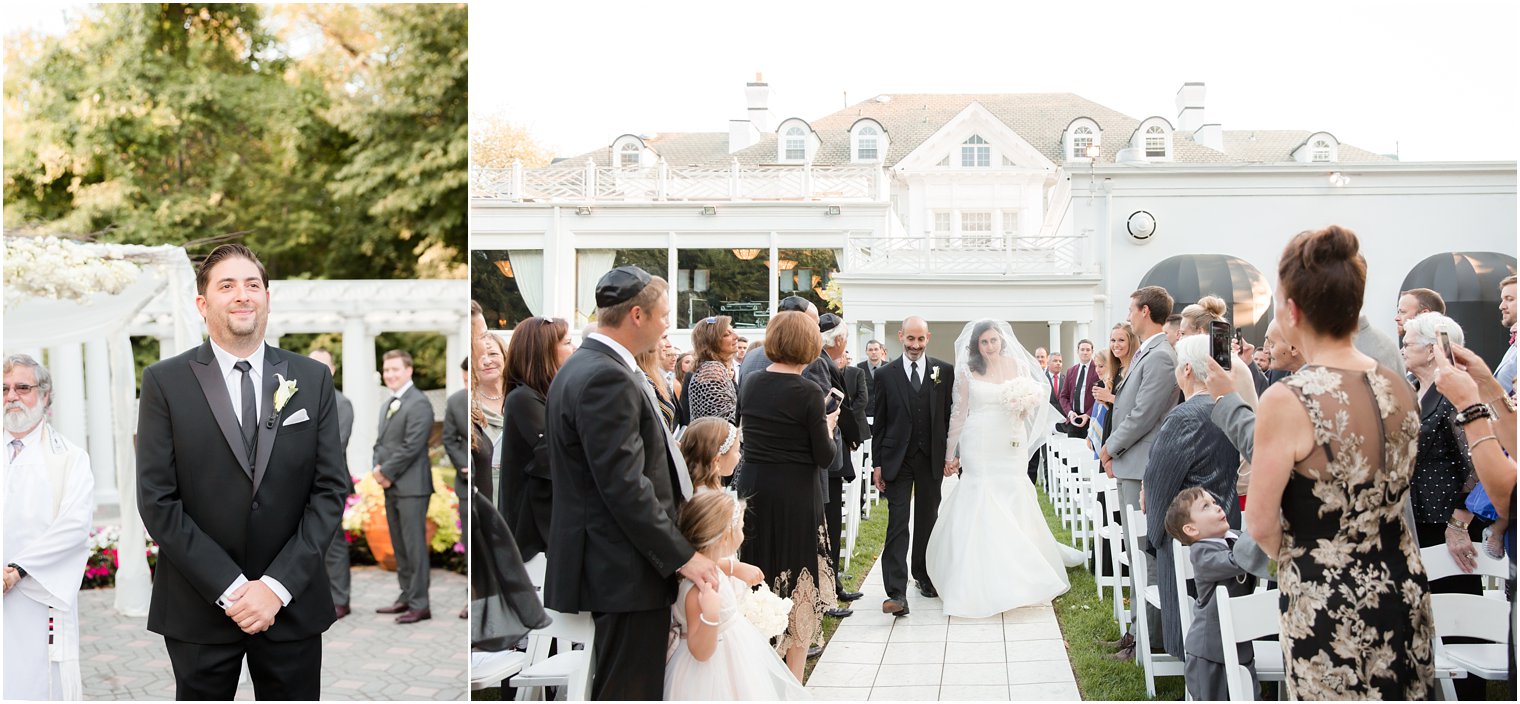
526,487
786,440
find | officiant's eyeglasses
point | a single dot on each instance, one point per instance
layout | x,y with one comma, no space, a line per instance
20,389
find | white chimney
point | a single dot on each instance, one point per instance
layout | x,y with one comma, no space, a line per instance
741,134
1190,107
1211,136
758,95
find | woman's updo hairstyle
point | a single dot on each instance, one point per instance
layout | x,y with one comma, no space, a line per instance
1323,271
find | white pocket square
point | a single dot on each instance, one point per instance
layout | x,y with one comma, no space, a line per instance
298,417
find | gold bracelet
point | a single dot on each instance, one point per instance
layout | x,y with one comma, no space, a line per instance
1508,402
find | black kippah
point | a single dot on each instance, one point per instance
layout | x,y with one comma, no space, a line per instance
620,285
828,321
797,303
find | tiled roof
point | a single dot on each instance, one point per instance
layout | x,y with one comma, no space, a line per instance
1039,118
1269,146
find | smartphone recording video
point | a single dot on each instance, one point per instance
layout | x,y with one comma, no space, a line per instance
1219,343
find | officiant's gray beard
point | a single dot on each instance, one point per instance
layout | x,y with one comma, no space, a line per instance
20,418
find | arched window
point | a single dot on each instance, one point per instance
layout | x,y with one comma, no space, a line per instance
795,147
1155,142
628,155
976,153
865,143
1081,139
1319,151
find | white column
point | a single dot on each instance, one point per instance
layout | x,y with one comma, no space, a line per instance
879,331
66,364
672,271
134,587
100,442
166,347
775,285
359,387
453,380
1055,337
1082,334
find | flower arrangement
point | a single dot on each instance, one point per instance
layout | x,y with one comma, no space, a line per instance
100,568
49,267
769,613
443,512
1023,395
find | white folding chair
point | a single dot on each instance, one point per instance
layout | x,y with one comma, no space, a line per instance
1470,616
1118,553
1246,618
1104,536
1182,571
488,669
1154,664
851,518
568,668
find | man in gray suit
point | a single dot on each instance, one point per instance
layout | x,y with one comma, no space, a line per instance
1141,402
456,442
337,552
402,469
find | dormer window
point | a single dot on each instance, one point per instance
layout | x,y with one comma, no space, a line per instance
865,143
1082,135
1155,142
794,147
1319,150
628,155
976,153
1081,140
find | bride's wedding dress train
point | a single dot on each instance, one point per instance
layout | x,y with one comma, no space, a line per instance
991,549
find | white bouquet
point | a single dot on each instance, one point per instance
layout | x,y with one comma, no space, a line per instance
769,613
1023,395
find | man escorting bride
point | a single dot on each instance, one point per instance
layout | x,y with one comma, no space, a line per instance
991,549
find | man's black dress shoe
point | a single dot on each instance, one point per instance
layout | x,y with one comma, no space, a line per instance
897,607
840,613
814,652
849,596
927,590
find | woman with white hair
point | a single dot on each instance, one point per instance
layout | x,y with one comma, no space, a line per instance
1189,451
1443,474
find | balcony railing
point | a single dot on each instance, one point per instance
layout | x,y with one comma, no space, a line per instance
662,182
967,253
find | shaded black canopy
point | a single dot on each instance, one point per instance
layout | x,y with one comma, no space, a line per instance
1469,283
1189,277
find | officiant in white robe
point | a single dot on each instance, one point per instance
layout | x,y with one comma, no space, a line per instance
49,504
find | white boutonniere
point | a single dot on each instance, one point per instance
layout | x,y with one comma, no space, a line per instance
934,374
395,406
283,392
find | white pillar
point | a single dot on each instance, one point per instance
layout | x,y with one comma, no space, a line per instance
1082,334
774,273
672,272
134,587
359,387
66,364
1055,337
453,380
879,331
100,442
166,347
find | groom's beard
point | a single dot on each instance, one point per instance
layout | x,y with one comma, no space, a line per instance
20,418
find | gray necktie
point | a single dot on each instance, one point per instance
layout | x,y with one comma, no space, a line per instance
682,474
916,380
250,419
15,449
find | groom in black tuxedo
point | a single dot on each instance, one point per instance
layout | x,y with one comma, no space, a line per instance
619,480
241,480
908,436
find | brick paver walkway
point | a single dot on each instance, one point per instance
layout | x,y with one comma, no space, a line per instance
365,656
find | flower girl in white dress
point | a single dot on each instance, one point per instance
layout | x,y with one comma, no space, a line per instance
721,655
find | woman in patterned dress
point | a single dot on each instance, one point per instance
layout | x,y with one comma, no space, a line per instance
710,390
1335,447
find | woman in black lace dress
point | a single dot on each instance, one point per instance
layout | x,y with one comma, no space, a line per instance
1334,456
710,389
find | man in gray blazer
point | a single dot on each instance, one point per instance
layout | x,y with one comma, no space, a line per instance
337,552
456,443
1142,400
402,468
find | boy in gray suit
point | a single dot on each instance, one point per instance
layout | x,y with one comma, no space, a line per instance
1195,519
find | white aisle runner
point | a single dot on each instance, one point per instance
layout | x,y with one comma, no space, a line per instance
927,656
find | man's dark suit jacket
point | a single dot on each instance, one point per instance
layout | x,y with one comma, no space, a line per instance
216,517
456,430
865,366
892,427
613,537
1068,393
859,400
401,447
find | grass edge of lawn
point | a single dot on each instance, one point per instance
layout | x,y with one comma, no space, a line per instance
868,545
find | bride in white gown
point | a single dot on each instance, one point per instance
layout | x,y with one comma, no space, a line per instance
991,549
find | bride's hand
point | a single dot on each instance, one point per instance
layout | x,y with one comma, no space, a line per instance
949,467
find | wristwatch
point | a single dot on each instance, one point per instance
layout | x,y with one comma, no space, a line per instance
1472,413
18,568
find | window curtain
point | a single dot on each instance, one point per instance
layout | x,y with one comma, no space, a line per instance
528,269
591,264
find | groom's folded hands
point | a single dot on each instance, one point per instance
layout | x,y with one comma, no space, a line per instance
253,607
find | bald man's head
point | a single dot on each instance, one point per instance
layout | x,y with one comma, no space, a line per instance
914,336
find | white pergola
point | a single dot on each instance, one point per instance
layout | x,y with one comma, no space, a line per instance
87,348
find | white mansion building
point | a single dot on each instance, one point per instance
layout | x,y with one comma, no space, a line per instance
1045,210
